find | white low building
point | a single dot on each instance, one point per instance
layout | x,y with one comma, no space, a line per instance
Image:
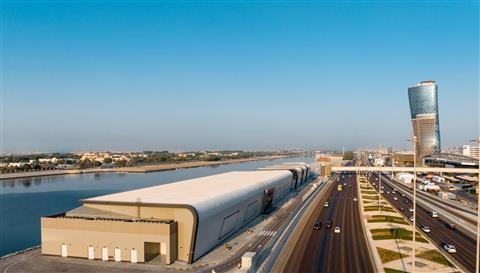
406,178
178,221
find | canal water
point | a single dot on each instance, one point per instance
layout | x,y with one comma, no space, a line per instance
24,201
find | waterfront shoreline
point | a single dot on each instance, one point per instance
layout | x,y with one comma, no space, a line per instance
137,169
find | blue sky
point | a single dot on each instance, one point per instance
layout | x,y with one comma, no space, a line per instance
119,75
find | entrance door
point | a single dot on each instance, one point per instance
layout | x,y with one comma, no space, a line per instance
151,250
118,255
64,250
133,256
91,253
105,253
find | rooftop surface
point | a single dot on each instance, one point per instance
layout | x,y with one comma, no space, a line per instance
215,190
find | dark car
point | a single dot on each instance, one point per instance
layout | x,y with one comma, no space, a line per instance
317,225
451,226
328,224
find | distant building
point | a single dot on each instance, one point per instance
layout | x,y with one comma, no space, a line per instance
472,151
423,102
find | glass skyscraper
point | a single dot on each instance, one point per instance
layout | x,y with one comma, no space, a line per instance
424,111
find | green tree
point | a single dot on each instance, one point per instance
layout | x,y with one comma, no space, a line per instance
348,155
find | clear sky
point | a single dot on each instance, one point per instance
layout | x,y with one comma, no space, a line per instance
120,75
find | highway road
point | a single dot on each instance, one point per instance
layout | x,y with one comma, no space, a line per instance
325,251
439,233
455,209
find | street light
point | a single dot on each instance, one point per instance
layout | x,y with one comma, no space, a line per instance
414,141
478,208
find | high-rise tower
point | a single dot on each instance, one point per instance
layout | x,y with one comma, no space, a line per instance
423,101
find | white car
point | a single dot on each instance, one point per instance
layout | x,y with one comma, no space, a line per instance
425,229
411,218
410,209
395,198
338,229
450,248
388,191
355,199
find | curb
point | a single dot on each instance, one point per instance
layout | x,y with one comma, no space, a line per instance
368,235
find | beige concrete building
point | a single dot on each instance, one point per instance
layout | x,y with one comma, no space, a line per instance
177,221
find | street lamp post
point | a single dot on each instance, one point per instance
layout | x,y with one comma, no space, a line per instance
477,254
379,191
414,232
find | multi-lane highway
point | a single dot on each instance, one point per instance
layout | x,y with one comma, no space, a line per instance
440,233
323,250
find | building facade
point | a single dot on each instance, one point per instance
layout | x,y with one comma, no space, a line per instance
472,151
178,221
423,102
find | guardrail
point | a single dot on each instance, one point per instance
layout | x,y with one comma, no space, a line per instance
265,259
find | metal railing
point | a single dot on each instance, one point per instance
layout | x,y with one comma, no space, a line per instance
265,258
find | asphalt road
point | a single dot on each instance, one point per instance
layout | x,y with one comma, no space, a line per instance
439,233
445,205
325,251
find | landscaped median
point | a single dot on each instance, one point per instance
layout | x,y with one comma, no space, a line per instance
392,236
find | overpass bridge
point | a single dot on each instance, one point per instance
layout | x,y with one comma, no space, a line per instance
403,169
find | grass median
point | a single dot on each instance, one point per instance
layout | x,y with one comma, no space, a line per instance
395,233
387,219
434,256
387,255
374,208
370,197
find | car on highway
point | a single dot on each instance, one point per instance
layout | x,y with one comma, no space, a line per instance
401,209
355,199
317,225
405,201
410,209
338,229
403,195
434,214
388,192
326,204
395,198
425,229
328,224
411,218
451,226
449,248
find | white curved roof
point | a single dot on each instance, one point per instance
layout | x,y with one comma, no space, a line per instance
208,195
